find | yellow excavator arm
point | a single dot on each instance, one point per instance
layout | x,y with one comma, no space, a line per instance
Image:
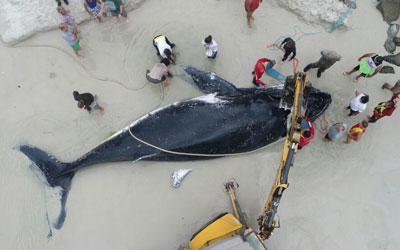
295,96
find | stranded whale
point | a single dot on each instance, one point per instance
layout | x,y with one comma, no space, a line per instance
225,121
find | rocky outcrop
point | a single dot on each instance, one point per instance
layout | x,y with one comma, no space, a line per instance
316,11
390,10
387,70
393,59
20,19
391,32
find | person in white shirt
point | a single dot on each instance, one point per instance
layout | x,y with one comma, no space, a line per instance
211,47
164,47
358,104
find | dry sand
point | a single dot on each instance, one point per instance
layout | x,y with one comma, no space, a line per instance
340,197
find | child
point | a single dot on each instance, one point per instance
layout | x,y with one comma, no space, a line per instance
212,46
65,16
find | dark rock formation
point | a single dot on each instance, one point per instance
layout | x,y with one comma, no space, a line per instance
387,70
390,10
391,32
393,59
396,41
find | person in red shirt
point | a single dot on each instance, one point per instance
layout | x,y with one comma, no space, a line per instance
259,70
384,109
250,6
356,132
307,134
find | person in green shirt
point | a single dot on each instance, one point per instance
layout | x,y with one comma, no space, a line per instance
117,9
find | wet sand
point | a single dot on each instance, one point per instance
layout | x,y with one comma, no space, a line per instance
340,197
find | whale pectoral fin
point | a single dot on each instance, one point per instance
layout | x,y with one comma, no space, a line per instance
208,82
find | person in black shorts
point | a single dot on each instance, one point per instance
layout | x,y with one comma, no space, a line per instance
289,46
368,67
87,101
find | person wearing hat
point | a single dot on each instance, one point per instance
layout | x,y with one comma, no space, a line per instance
328,58
384,109
87,101
368,67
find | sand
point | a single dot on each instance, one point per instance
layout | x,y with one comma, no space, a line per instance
340,197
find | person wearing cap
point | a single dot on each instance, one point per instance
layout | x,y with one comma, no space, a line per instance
328,58
367,67
358,104
336,131
258,72
87,101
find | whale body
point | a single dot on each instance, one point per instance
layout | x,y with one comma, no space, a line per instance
225,121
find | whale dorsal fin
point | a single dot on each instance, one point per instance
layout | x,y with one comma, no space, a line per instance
209,82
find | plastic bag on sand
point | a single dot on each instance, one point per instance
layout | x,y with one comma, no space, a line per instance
178,175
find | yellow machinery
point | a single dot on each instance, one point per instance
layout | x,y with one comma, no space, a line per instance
230,231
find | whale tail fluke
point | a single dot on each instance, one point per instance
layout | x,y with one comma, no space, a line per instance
58,185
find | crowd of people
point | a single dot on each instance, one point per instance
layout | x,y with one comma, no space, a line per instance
369,65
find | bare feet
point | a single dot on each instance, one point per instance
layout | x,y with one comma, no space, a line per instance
101,111
355,80
346,73
127,20
80,56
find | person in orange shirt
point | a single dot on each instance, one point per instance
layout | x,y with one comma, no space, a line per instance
356,132
250,6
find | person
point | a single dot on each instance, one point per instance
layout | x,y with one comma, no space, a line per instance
87,101
358,104
384,109
328,58
250,6
117,9
94,8
307,133
164,47
356,132
368,67
66,16
289,47
395,89
69,34
211,45
59,2
336,131
258,72
159,72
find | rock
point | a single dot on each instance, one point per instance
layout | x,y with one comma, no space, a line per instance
391,32
387,70
393,59
396,41
350,3
390,10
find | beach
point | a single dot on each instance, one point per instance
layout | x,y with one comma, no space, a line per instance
340,196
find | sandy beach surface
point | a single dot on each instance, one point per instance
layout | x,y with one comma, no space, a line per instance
340,196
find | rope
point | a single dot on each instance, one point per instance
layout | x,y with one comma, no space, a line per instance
295,28
94,76
190,154
341,19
